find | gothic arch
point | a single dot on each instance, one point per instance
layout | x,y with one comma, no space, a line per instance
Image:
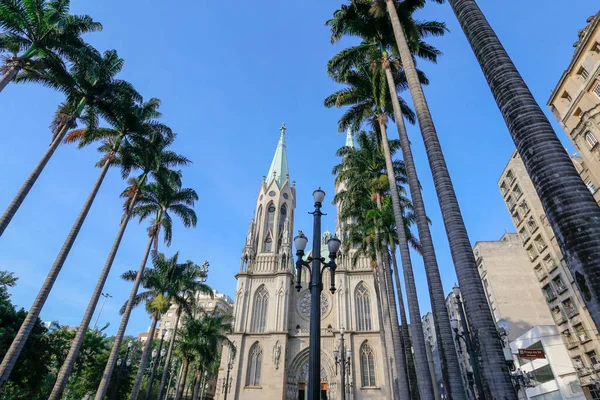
296,372
363,305
260,307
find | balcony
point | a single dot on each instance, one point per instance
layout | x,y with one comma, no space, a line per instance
561,288
583,337
541,273
560,319
571,312
551,266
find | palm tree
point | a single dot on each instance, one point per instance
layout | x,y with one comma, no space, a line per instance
91,90
192,285
358,20
144,147
158,199
571,210
162,285
111,148
366,183
200,339
43,32
496,378
367,92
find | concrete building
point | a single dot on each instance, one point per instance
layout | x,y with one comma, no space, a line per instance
553,376
510,284
570,315
433,354
575,102
271,319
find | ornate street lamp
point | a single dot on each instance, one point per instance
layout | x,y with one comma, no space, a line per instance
122,366
316,287
343,361
466,336
226,382
155,356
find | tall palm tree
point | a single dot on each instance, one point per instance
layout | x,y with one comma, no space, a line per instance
367,87
496,379
162,284
193,284
43,32
358,20
200,338
571,210
145,148
157,200
91,90
363,170
110,148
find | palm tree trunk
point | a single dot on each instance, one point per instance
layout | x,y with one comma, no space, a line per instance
9,76
410,360
495,374
198,380
448,357
163,380
389,303
112,358
69,363
570,208
11,356
137,385
418,340
181,388
30,181
383,336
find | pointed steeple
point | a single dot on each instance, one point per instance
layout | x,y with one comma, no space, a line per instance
349,138
279,166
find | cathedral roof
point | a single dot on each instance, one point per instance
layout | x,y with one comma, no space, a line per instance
279,166
349,138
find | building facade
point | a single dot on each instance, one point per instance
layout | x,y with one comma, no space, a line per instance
433,354
271,319
562,296
510,285
575,102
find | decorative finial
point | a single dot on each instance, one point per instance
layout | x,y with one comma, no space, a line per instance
282,129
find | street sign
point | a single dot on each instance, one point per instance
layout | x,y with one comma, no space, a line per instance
531,353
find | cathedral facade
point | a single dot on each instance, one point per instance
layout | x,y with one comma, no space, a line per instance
271,319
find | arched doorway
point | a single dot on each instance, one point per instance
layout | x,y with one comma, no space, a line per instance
297,383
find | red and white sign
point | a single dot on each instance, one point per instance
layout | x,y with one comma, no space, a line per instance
530,353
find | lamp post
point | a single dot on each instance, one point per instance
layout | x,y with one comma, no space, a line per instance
203,391
343,361
171,373
123,365
106,296
226,383
316,287
466,336
156,355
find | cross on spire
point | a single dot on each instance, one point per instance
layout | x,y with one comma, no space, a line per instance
283,129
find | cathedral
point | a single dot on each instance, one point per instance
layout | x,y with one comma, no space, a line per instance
271,319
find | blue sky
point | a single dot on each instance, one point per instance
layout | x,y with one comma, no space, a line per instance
229,73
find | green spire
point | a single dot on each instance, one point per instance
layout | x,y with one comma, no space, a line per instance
279,165
349,138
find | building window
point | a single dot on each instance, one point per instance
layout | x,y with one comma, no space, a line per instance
531,253
569,307
581,333
540,272
594,360
559,285
558,314
516,217
550,263
510,202
524,207
531,225
567,96
597,90
578,362
590,138
572,341
254,365
549,292
282,218
524,234
363,307
577,112
590,185
596,48
268,242
367,365
539,243
583,72
259,315
518,192
510,177
503,188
